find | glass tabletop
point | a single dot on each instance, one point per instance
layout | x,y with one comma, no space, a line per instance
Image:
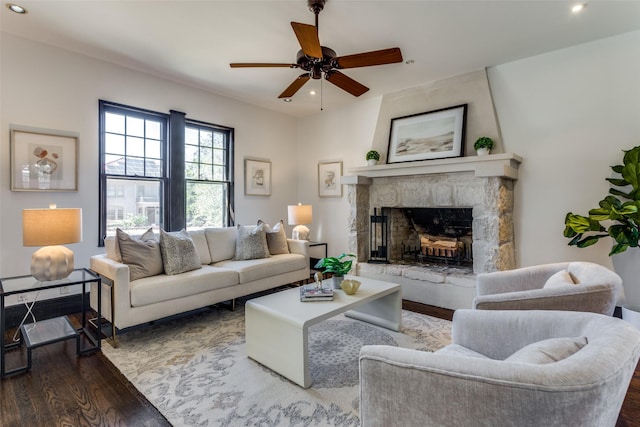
12,285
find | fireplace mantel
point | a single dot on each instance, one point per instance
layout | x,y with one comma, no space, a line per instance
494,165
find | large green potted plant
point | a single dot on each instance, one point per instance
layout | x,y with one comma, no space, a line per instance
617,217
336,266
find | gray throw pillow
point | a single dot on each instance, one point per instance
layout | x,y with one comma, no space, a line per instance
276,238
179,253
141,254
251,243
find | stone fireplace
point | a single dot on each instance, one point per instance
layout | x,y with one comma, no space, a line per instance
482,186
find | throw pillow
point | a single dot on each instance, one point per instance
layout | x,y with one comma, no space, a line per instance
141,254
251,243
179,253
276,238
559,279
548,351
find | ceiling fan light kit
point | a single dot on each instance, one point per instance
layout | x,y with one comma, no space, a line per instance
320,61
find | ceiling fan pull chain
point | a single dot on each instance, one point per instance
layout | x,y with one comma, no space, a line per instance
321,97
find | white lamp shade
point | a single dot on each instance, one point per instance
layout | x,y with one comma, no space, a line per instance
44,227
300,214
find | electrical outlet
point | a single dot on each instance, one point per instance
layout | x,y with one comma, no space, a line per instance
64,290
21,298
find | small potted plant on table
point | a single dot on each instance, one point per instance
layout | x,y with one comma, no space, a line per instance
483,145
337,267
372,157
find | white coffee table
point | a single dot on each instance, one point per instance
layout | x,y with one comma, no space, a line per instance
277,325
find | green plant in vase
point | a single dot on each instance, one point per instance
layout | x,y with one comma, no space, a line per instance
336,266
483,145
372,157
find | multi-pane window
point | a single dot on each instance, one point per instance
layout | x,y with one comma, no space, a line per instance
207,175
138,178
132,163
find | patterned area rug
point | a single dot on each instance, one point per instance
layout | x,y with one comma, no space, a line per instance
196,372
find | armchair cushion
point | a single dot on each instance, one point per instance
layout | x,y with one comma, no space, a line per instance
548,351
561,278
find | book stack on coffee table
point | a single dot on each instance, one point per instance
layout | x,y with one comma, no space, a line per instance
313,293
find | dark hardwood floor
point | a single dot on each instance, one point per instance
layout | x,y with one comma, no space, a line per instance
64,390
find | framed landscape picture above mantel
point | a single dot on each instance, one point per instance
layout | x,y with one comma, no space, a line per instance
432,135
43,160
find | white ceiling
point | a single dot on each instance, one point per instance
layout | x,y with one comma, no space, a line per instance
194,41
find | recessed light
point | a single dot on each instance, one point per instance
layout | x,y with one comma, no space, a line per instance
409,61
578,7
312,92
287,99
16,8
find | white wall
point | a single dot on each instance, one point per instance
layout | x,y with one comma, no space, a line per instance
46,87
568,113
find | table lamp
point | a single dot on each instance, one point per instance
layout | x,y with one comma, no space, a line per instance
299,215
51,228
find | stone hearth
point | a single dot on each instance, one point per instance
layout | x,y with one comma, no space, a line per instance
485,184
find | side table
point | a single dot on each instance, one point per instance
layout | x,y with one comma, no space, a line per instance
48,331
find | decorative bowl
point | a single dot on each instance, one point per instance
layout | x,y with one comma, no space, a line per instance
350,286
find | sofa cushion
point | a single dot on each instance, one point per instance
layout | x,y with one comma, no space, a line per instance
221,242
559,279
200,242
179,254
548,351
251,243
276,238
141,254
151,290
249,270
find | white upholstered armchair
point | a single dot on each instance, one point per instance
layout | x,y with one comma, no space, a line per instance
500,371
571,286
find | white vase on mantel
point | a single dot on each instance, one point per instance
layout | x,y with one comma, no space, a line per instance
483,151
372,162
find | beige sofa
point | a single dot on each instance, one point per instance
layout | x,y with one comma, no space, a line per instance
220,279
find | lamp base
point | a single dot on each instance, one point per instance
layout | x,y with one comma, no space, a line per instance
51,263
300,232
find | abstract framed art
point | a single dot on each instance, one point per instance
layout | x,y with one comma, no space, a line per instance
43,160
257,177
435,134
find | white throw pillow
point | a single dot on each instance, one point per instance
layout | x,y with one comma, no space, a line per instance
559,279
200,240
276,238
548,351
221,242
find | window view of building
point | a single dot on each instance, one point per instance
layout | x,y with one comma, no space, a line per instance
207,173
134,178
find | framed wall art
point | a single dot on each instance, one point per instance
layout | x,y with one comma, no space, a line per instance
432,135
43,160
257,177
329,174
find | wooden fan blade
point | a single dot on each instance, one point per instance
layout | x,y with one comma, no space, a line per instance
260,64
308,38
295,86
346,83
367,59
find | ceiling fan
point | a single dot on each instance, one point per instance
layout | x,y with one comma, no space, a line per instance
319,61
